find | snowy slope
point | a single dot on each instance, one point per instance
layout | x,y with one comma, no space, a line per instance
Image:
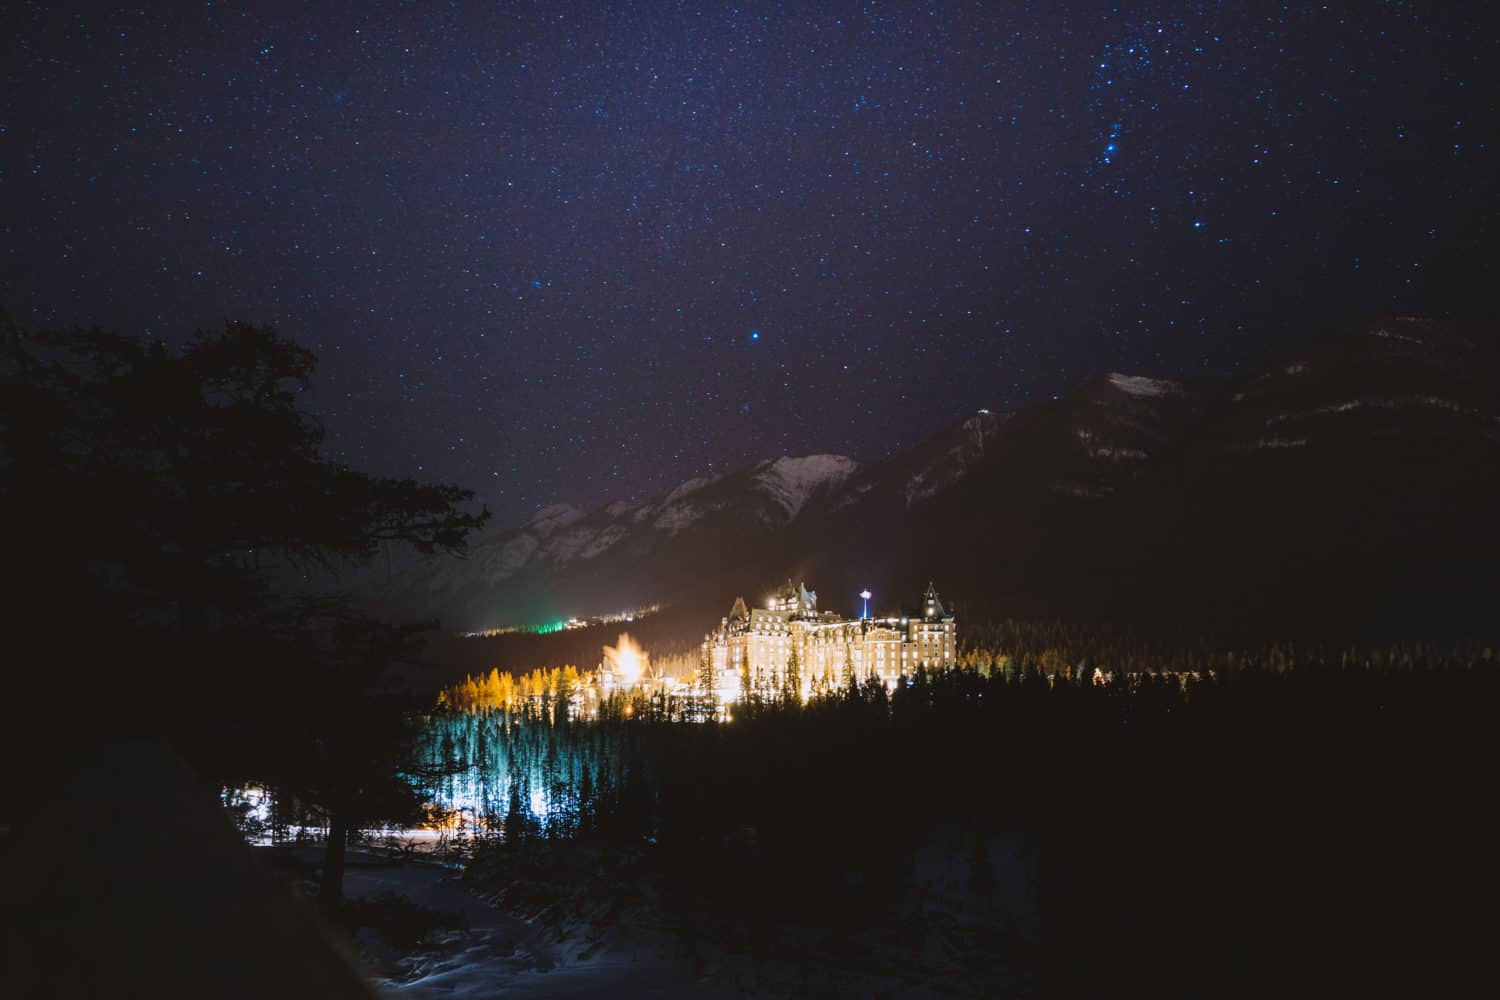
791,482
1362,416
943,467
1140,385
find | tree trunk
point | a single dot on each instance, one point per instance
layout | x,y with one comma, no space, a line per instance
331,888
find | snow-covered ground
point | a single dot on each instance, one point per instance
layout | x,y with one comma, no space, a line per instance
504,956
629,952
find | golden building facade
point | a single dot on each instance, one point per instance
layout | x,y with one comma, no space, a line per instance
760,642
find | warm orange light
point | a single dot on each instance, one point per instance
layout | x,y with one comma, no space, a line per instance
626,660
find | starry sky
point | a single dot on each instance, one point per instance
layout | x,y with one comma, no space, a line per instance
579,251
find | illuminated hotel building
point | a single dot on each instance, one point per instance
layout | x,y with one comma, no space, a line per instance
828,646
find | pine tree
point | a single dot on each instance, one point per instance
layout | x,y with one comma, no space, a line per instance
825,682
515,816
564,697
792,690
587,808
709,685
747,691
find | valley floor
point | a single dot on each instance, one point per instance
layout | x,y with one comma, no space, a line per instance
584,937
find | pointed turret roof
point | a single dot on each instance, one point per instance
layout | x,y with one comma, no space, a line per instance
807,600
932,607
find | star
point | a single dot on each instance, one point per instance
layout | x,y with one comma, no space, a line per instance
549,239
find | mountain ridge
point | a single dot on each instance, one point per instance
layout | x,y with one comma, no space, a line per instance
1085,505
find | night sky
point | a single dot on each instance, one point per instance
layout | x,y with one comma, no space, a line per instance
573,252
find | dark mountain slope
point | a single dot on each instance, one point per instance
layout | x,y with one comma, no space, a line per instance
1351,484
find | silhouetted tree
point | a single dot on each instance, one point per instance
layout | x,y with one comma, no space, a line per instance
516,815
792,687
347,744
749,696
151,495
708,684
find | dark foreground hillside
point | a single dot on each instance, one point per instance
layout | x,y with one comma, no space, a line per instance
137,885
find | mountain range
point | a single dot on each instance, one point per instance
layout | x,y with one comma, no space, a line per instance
1351,483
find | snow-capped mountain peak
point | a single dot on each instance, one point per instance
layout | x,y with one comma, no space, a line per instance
1142,386
792,482
1156,466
